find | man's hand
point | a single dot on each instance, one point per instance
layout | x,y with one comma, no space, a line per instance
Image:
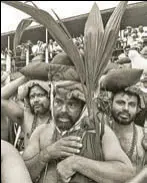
65,168
64,147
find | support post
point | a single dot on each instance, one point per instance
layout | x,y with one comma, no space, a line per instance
8,57
27,56
46,49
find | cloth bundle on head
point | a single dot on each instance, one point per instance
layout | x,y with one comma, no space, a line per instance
123,80
23,90
62,68
120,79
63,74
75,89
124,60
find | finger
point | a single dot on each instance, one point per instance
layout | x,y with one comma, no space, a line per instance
66,154
71,150
74,144
76,138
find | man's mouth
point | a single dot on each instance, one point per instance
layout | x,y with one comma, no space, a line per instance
63,120
124,116
36,106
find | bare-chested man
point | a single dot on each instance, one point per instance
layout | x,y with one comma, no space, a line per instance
65,150
36,109
126,103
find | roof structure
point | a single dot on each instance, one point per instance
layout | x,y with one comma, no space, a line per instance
135,15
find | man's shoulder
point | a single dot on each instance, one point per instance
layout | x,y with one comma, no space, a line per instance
139,127
46,127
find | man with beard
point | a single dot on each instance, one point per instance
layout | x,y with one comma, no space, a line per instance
127,102
67,149
35,110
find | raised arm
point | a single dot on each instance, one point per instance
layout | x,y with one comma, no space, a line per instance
13,169
116,168
12,110
8,90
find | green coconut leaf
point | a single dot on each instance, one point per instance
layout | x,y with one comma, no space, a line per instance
19,32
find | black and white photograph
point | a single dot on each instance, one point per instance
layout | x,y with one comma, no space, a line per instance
73,92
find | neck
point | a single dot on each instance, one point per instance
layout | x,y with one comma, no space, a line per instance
122,129
44,115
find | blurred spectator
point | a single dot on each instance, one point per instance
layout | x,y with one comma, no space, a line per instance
140,31
38,51
5,76
50,48
144,38
56,48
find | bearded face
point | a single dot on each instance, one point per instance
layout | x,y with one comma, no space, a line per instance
39,101
66,110
124,108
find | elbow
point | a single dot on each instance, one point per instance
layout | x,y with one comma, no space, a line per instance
127,172
31,171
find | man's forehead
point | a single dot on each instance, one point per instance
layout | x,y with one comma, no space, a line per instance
64,94
122,95
37,88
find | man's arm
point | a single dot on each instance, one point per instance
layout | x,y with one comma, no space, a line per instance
13,168
36,158
8,90
141,177
32,154
116,168
12,110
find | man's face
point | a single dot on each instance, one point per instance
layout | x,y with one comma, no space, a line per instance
124,108
145,84
39,101
66,110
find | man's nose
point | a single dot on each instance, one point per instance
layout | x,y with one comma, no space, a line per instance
36,99
126,107
64,108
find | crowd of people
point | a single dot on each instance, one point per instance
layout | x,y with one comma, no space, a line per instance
55,139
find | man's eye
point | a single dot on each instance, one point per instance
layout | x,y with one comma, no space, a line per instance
41,95
120,102
32,96
132,104
72,104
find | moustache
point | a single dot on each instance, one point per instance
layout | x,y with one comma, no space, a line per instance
64,115
124,113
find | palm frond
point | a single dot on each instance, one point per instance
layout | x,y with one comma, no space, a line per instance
31,3
19,31
110,37
56,32
62,25
93,35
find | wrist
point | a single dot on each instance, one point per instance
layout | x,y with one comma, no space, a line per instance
44,156
75,162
